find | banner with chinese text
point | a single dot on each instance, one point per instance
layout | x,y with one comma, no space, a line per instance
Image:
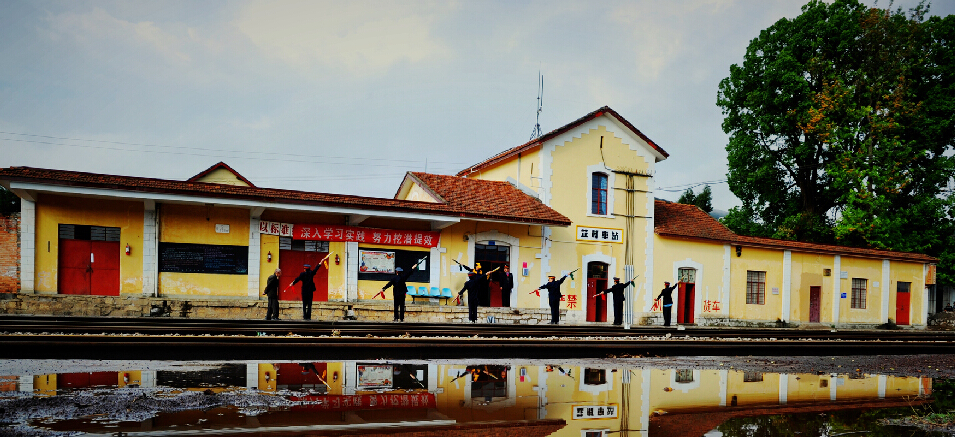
351,234
364,402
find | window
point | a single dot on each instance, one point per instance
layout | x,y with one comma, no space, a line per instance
858,293
752,377
595,376
755,287
598,194
903,287
684,376
287,243
687,275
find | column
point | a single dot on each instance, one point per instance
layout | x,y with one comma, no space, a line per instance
255,251
27,246
150,249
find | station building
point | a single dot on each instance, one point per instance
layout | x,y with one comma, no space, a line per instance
576,200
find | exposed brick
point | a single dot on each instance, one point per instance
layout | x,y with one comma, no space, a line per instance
10,253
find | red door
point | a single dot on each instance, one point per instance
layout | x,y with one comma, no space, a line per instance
88,267
685,308
596,305
291,262
815,295
902,299
495,288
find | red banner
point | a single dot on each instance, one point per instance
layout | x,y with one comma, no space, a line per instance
366,235
364,402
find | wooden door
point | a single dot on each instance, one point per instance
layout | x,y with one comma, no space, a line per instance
291,262
74,267
815,296
902,300
104,277
685,303
596,305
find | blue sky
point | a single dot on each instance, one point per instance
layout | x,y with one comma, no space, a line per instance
344,97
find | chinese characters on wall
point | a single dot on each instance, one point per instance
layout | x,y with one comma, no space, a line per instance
604,235
351,234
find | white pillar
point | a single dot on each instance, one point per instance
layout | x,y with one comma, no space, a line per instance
724,383
886,297
882,384
27,246
351,276
150,249
787,285
783,388
836,289
727,258
255,251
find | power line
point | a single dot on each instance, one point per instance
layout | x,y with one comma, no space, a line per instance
684,187
207,149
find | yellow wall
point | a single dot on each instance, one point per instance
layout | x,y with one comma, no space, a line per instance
753,392
871,270
51,211
807,272
755,259
671,254
196,224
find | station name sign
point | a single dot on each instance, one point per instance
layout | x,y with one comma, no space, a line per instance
351,234
603,235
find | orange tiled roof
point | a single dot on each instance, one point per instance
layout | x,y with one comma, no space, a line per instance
538,141
488,197
453,208
689,221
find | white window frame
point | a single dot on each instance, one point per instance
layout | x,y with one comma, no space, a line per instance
599,168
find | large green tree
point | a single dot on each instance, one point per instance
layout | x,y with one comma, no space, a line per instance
841,124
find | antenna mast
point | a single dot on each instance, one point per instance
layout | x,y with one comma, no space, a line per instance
536,133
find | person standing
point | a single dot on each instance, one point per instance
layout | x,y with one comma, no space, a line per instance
667,295
400,282
617,291
272,291
307,278
507,285
472,285
553,296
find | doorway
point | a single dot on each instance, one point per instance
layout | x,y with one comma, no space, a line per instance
596,282
686,297
88,260
902,301
293,254
815,297
493,256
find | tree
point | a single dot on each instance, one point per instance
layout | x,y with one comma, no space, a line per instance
704,200
840,121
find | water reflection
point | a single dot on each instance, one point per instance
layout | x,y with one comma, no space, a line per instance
354,397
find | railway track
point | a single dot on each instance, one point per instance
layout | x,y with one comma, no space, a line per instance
205,339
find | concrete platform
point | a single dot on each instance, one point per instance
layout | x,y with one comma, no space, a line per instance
138,306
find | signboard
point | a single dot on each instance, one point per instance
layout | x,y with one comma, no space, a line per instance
203,258
371,377
364,402
595,412
603,235
350,234
376,261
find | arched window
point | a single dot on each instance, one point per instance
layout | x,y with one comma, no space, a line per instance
598,194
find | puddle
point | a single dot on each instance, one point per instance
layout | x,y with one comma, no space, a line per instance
583,398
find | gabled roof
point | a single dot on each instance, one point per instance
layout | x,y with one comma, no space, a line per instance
64,180
689,221
220,166
487,197
556,132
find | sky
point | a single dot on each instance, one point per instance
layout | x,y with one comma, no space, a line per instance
345,97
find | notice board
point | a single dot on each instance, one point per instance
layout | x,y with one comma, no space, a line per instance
203,258
378,260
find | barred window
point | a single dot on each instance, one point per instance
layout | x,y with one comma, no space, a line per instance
858,293
684,376
752,376
755,287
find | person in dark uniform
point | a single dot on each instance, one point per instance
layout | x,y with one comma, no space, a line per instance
307,278
472,285
667,295
506,279
553,296
617,291
400,282
272,291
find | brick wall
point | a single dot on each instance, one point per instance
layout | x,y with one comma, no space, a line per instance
10,253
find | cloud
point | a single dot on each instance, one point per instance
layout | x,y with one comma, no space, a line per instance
359,37
101,32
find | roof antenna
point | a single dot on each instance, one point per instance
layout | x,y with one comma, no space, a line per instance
536,133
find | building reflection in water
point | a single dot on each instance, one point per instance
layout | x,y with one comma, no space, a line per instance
521,399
